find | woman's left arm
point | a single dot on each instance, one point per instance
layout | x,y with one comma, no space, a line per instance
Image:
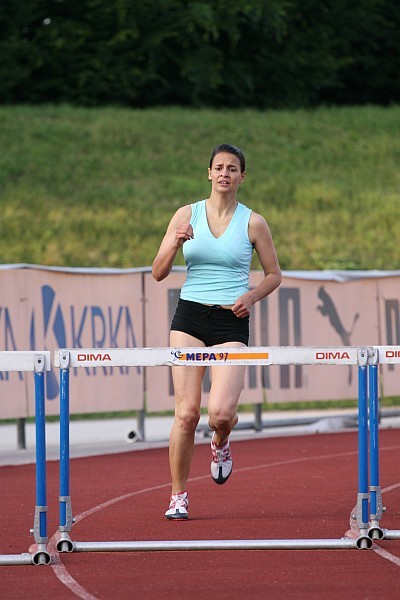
261,238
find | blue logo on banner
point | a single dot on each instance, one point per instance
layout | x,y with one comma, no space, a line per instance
54,324
110,327
8,339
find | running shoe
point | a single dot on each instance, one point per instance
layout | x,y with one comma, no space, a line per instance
221,464
178,507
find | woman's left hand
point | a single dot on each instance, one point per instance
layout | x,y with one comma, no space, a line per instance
242,306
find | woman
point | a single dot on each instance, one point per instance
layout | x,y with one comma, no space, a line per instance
217,236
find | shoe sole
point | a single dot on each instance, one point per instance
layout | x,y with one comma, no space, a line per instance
220,480
177,517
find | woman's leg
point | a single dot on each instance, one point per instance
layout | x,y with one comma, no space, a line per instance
187,387
226,386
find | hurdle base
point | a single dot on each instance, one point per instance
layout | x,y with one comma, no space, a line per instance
40,555
197,545
364,542
63,542
375,532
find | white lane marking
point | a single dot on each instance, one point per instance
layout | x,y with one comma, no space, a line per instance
384,553
387,555
63,575
391,487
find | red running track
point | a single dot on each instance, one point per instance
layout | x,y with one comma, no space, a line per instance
281,488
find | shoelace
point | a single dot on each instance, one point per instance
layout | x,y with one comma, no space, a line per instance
221,454
178,500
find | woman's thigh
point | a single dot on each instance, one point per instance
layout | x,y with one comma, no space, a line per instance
187,380
226,384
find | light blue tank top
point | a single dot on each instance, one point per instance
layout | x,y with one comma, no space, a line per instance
217,268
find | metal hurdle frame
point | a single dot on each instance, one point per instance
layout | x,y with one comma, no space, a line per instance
38,363
365,358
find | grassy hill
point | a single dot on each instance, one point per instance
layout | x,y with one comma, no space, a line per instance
97,187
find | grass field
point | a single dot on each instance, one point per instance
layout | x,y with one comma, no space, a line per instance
97,187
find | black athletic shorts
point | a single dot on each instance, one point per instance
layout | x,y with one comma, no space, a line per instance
210,324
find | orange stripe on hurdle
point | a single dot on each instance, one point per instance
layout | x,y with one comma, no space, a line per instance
226,356
248,356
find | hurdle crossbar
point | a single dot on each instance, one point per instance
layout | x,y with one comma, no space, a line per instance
155,357
25,361
68,358
38,363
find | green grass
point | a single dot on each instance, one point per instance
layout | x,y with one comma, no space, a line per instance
97,187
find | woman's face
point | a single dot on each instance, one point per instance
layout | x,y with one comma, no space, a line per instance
225,174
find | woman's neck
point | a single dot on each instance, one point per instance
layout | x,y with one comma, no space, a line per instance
223,204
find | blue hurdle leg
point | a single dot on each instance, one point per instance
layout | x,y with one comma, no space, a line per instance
64,544
40,521
375,532
363,496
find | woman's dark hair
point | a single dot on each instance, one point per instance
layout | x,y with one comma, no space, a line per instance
229,149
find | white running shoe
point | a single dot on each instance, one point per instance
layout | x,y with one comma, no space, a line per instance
178,507
221,464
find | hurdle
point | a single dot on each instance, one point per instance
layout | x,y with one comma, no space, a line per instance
363,358
38,363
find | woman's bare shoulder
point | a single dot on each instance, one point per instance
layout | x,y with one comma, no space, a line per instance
183,213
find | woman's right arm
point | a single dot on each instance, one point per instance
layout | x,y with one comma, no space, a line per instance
179,231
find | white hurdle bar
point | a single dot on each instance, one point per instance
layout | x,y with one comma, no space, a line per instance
37,362
68,358
156,357
196,545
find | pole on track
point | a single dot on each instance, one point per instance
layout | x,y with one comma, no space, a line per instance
7,560
391,534
362,512
41,555
64,543
185,545
375,532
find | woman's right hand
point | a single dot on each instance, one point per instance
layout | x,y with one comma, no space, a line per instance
184,232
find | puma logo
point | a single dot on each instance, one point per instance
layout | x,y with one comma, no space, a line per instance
328,309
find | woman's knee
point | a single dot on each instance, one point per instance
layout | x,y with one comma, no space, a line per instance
222,419
187,418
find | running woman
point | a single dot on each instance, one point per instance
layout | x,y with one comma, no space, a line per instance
217,236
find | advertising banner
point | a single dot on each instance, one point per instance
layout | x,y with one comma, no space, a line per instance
389,332
47,309
16,388
321,313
